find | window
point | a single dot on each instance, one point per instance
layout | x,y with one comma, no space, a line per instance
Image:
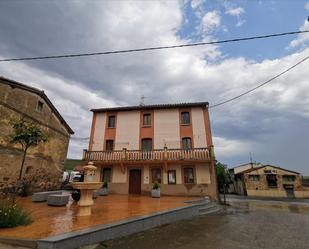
288,178
271,180
171,177
109,145
106,174
111,121
188,175
147,144
39,106
156,175
147,119
185,118
186,143
254,177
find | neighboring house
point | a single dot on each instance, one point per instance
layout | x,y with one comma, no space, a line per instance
137,145
272,181
44,164
237,185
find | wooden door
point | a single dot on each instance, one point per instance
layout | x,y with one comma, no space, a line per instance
135,181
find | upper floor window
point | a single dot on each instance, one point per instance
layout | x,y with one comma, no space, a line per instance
188,175
186,143
39,106
111,121
109,145
254,177
147,119
288,178
147,144
185,118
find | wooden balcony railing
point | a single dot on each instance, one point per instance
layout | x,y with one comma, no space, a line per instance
151,155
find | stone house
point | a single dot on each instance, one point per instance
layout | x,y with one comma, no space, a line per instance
272,181
44,164
135,146
237,185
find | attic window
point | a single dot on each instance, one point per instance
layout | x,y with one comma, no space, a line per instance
39,107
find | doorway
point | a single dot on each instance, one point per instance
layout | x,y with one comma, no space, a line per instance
289,189
135,181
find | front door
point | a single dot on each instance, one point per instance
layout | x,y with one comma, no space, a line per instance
135,181
289,190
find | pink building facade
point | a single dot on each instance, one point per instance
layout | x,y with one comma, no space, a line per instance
137,145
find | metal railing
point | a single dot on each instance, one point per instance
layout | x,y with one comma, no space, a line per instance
148,155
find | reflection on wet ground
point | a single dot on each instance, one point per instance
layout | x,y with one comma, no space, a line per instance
49,220
246,224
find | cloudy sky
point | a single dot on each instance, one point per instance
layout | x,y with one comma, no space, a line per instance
272,123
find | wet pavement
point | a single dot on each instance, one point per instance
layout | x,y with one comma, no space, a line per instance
244,224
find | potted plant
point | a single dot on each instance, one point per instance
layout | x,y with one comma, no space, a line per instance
155,192
104,189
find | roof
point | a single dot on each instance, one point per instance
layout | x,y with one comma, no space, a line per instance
41,94
263,166
150,107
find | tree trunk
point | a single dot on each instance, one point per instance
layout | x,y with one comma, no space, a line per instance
22,164
224,199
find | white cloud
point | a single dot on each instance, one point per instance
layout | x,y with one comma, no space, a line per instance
234,11
301,39
307,6
210,21
196,3
226,148
174,75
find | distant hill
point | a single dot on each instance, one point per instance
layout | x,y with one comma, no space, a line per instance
71,163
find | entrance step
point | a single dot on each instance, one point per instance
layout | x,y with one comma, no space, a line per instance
209,208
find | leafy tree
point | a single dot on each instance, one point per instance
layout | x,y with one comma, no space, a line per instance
223,178
27,134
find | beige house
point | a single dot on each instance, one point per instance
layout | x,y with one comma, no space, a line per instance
44,163
137,145
272,181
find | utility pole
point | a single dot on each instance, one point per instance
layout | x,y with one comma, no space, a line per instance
251,160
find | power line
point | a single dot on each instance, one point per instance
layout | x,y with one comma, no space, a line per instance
153,48
260,85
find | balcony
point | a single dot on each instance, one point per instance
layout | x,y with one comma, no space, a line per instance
162,155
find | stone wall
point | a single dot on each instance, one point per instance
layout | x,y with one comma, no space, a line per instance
44,164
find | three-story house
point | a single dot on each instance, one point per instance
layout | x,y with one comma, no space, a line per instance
135,146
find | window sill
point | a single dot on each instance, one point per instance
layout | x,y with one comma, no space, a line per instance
110,127
146,126
185,124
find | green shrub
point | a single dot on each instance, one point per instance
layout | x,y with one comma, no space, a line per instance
156,185
12,214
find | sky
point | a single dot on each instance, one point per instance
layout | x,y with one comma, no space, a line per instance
272,123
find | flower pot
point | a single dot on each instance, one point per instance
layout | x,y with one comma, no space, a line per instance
155,193
103,191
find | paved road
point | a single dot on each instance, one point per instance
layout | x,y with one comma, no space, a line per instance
245,224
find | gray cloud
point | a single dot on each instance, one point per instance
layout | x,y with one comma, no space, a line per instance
272,123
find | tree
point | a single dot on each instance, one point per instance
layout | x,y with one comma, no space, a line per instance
27,134
223,178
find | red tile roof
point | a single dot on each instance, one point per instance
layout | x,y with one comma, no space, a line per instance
151,107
